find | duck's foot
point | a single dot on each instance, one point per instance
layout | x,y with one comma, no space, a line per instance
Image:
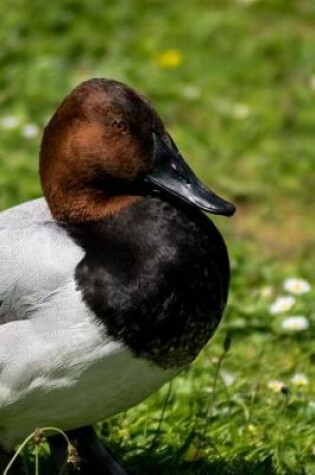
90,457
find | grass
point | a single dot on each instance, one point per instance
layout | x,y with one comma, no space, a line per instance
235,82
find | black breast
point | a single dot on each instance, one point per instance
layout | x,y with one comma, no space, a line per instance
157,278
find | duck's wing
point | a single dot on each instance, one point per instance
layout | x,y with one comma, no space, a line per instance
44,322
37,260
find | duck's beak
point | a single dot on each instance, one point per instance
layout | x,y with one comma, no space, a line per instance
172,175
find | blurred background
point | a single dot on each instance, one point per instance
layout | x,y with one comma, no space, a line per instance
234,81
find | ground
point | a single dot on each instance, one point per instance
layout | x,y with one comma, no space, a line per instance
235,82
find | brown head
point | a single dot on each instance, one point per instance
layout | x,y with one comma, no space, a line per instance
102,144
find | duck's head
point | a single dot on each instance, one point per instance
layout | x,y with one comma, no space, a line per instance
104,147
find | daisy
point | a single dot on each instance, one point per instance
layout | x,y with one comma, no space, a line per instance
295,323
282,304
296,286
299,380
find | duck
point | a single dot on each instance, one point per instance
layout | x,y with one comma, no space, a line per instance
113,281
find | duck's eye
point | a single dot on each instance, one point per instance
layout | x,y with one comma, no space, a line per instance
119,125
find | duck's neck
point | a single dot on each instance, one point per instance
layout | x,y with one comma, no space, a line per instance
88,206
70,201
71,192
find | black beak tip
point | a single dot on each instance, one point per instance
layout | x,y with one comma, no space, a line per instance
229,209
226,210
219,206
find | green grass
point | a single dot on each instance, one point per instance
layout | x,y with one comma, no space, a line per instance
239,100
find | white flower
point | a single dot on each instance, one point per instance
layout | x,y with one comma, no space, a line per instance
282,304
276,386
241,111
9,122
30,131
295,323
299,379
296,286
311,404
228,378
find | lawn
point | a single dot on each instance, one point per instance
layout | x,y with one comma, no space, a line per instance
235,82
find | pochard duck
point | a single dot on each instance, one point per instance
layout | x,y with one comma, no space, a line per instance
112,282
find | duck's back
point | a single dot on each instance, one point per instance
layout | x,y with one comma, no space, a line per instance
29,212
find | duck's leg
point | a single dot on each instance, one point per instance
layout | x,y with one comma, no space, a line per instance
93,457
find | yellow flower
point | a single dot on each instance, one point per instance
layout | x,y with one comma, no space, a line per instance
169,59
252,428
